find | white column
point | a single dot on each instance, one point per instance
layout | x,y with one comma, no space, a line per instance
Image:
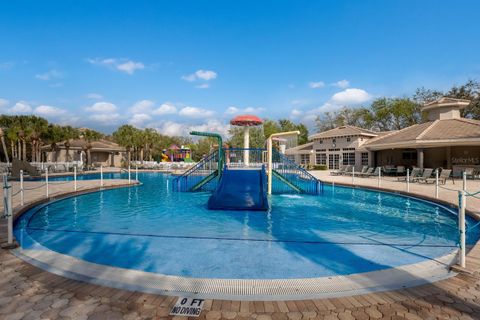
246,145
21,189
461,227
420,158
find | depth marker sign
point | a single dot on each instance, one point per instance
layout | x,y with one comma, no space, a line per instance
188,307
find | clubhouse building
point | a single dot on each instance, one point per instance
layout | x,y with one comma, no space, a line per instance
445,140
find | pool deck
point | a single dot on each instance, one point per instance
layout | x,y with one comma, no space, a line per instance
27,292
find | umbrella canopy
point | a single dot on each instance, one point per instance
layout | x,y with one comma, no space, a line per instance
246,121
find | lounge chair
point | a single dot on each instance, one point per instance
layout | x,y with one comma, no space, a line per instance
442,177
364,169
340,171
375,173
427,173
415,173
367,173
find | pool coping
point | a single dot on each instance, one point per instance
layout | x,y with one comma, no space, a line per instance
400,277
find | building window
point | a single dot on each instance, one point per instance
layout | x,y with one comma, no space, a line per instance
333,149
349,158
364,158
333,161
321,159
304,159
348,139
320,141
348,149
334,140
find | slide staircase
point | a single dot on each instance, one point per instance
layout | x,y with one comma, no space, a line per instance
241,189
201,177
289,177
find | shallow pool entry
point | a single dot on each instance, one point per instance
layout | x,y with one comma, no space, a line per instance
150,228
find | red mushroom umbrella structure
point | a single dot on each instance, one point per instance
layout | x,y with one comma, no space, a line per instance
246,121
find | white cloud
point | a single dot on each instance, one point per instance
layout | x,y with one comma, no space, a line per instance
130,66
142,106
139,119
295,113
94,96
350,96
234,110
49,75
20,107
206,75
105,118
173,128
49,111
123,65
316,85
3,103
193,112
342,84
165,108
203,86
102,107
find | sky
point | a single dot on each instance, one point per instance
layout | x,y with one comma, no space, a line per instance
182,65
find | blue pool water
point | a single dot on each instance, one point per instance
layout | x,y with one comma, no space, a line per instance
150,228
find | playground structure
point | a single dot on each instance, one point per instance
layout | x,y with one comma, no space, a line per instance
242,178
177,154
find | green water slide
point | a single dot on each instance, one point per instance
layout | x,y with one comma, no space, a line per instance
221,160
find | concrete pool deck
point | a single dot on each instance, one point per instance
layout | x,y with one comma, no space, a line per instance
27,292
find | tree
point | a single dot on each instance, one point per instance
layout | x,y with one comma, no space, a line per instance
90,136
38,128
69,133
124,136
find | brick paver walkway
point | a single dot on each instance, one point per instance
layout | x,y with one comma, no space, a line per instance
27,292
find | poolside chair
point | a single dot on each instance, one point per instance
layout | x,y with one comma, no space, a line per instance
401,171
414,174
442,177
340,171
367,173
470,173
427,173
364,169
375,173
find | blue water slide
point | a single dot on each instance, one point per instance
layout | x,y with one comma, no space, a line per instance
241,189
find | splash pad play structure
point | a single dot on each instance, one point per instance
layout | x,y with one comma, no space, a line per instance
242,178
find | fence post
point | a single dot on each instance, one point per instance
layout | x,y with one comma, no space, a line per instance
101,175
464,177
436,183
46,180
136,172
21,188
408,180
7,205
129,176
353,175
379,176
461,226
75,178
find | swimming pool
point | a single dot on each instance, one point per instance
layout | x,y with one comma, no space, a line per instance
149,228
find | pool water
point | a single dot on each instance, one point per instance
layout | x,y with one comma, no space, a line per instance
150,228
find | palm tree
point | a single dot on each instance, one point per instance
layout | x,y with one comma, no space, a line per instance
124,137
54,135
90,136
38,128
151,136
4,146
69,134
12,136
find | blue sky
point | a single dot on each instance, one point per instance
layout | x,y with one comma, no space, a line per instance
178,65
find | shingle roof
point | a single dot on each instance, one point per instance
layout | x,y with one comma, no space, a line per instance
303,147
100,145
428,133
343,131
